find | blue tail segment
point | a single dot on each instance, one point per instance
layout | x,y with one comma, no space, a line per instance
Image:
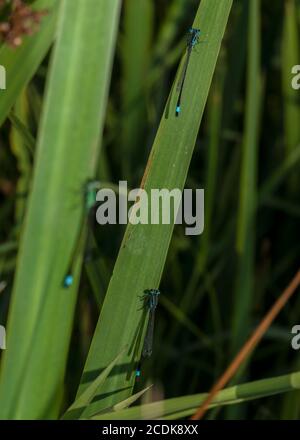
138,372
68,281
178,110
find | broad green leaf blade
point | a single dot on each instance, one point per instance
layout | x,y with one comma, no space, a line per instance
21,63
141,259
42,311
186,405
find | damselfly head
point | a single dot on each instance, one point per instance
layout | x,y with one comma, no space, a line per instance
147,352
152,292
92,185
194,30
151,296
193,37
91,188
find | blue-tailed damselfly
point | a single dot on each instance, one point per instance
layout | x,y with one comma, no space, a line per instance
90,190
192,40
151,301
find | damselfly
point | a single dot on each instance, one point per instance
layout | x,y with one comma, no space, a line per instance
192,40
151,301
90,190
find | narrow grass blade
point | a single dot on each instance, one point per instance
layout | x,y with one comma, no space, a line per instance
127,402
279,175
290,58
136,44
22,146
248,192
186,405
246,215
23,131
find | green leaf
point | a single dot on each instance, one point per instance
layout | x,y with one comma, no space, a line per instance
290,58
142,256
41,311
127,402
185,406
135,50
248,191
124,404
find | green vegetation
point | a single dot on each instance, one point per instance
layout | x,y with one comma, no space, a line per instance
91,94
